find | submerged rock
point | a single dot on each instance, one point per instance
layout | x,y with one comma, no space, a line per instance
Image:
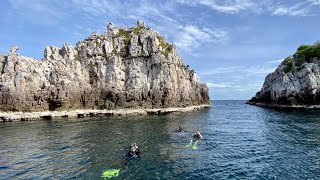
295,83
124,68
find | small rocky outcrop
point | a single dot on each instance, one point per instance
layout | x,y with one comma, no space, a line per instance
295,83
124,68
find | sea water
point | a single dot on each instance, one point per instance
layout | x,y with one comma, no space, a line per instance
240,142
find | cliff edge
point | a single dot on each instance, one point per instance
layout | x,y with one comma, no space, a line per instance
295,83
123,68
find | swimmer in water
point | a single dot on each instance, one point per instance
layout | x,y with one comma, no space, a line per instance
197,135
133,151
179,129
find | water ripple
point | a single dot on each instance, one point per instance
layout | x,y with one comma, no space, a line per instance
240,142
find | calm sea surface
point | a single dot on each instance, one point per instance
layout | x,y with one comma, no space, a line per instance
240,142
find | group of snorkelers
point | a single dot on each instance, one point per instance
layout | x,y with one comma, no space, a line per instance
196,135
135,152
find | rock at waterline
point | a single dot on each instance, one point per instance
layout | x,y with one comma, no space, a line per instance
295,83
123,68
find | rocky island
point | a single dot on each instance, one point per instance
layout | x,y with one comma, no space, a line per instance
295,83
125,68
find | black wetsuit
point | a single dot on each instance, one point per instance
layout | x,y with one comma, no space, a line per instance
197,136
131,155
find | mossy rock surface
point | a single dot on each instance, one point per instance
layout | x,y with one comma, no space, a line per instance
165,46
137,30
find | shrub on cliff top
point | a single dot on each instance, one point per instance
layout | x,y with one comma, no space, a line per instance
305,53
137,30
302,47
126,38
124,33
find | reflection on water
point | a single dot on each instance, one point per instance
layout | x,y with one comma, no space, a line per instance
240,141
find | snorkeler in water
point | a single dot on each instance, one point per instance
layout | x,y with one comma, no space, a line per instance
197,135
179,129
133,151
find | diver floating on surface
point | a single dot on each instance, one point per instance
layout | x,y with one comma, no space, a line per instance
197,135
193,144
179,129
132,153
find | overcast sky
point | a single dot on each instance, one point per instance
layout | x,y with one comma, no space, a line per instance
231,44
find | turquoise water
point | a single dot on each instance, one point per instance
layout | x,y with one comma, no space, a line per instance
240,142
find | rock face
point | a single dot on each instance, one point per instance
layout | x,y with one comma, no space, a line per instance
124,68
295,83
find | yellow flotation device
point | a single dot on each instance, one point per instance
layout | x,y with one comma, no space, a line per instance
107,174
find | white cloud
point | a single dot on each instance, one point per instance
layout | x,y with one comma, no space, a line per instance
275,61
190,37
221,85
222,70
259,70
241,81
46,12
299,9
243,71
230,6
156,15
99,8
272,7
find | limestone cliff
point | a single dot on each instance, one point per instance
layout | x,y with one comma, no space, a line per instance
295,83
123,68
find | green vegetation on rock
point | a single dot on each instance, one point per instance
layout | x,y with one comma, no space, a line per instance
302,47
98,43
288,67
126,38
305,53
166,52
78,58
125,34
165,46
298,68
137,30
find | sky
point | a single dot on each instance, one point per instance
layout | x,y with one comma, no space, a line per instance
231,44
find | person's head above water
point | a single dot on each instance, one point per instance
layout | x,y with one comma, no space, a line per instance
134,145
197,134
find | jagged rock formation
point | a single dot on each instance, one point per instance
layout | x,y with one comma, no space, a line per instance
124,68
295,83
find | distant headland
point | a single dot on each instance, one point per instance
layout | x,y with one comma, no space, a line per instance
295,83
